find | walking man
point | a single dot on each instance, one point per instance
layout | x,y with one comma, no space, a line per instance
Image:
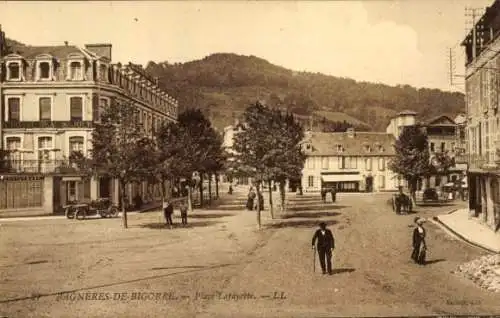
333,192
184,213
323,195
325,246
168,210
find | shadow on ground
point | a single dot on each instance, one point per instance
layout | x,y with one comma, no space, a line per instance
316,207
309,215
161,226
209,215
342,270
434,261
435,204
298,224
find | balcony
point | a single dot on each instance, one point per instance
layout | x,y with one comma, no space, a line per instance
39,166
48,124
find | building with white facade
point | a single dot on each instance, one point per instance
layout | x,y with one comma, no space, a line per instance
348,161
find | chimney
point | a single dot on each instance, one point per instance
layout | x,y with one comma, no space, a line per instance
103,49
350,132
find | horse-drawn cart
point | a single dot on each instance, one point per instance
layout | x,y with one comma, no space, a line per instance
401,203
102,207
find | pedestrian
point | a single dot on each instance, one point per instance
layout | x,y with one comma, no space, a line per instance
250,199
184,211
333,192
419,246
325,247
230,191
168,210
323,195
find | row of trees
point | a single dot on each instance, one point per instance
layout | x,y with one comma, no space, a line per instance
122,150
268,149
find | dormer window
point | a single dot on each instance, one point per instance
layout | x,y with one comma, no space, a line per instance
103,72
44,70
308,147
368,148
381,149
340,148
76,71
14,71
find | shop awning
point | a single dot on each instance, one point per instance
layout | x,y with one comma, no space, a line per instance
341,177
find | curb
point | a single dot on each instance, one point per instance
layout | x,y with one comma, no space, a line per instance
481,246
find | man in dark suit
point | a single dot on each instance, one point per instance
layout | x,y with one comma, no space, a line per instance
325,246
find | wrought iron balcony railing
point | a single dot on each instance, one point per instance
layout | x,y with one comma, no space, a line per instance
39,166
48,124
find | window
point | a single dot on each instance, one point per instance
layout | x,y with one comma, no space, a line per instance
381,182
368,164
76,108
44,147
103,72
381,164
310,163
432,147
437,181
324,162
76,71
76,144
13,145
14,108
353,163
342,164
44,69
14,71
310,181
45,104
443,147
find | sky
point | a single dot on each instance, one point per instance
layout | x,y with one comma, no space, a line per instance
392,42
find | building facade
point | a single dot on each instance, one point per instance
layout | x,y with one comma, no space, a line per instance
52,96
482,81
348,161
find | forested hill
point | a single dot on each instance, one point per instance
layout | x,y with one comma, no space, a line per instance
224,84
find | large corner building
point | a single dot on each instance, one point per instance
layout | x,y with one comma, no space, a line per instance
51,97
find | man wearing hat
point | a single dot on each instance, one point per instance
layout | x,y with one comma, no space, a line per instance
325,246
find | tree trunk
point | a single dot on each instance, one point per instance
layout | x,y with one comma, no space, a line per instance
271,210
412,183
257,188
216,186
201,190
122,199
282,196
190,199
209,189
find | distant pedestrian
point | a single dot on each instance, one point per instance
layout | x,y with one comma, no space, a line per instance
184,213
323,195
333,192
325,247
230,191
419,246
168,210
250,199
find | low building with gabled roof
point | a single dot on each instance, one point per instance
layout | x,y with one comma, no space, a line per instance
348,161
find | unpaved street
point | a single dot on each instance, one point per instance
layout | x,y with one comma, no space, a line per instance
221,266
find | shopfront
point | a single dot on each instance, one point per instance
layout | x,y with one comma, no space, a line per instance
342,182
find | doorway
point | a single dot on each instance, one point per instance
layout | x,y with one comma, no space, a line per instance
369,184
104,187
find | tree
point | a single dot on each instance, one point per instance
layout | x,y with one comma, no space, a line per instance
412,160
200,145
252,147
121,148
